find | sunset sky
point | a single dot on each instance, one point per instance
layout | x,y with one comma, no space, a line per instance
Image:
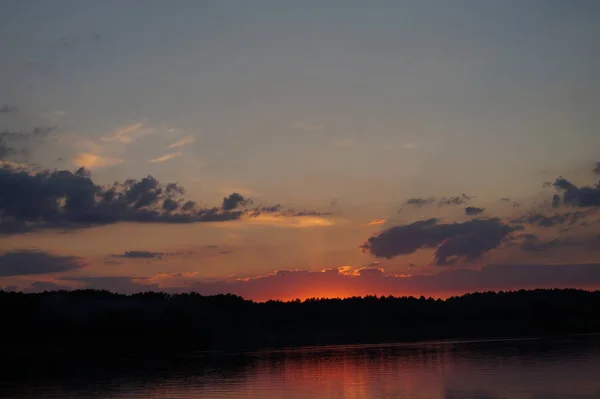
319,148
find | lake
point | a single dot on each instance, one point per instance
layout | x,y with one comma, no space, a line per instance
566,368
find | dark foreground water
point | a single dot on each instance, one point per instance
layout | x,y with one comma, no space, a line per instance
567,368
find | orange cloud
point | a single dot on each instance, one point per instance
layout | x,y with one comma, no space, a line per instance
89,160
166,157
130,133
376,221
184,141
348,281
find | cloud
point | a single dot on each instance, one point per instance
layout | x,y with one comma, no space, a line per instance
472,211
280,220
184,141
129,133
596,169
420,201
41,199
457,200
139,255
363,281
27,262
6,109
54,199
347,281
89,160
586,196
166,157
149,254
552,219
19,143
376,222
466,241
233,201
533,243
410,146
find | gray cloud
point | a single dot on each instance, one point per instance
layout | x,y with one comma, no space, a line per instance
453,242
596,169
64,199
420,201
552,219
26,262
6,109
139,255
586,196
443,201
235,200
18,143
472,211
533,243
457,200
149,254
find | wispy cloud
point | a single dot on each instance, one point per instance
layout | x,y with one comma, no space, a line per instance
184,141
376,222
166,157
293,221
90,160
410,146
130,133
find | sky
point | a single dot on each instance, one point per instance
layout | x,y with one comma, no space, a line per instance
295,149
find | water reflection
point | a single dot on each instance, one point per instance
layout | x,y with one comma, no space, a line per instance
532,369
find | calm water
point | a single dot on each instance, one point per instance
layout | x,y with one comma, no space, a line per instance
515,369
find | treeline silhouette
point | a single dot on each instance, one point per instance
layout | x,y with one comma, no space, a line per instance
101,322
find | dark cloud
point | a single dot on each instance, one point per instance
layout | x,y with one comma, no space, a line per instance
552,219
420,201
586,196
443,201
188,206
26,262
64,199
18,143
292,212
149,254
457,241
596,169
139,255
457,200
556,201
533,243
6,109
169,204
233,201
472,210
